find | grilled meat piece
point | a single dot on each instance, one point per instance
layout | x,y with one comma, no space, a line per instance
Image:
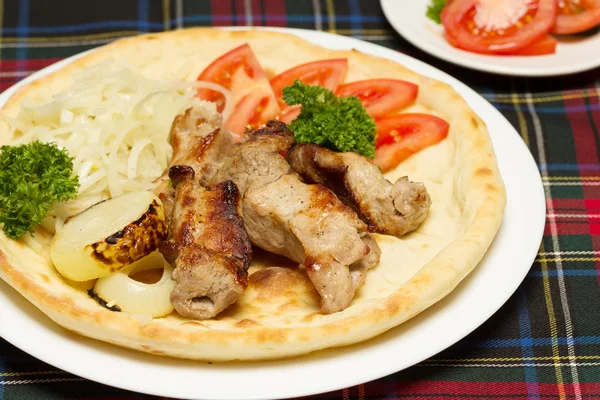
306,223
389,209
207,245
199,141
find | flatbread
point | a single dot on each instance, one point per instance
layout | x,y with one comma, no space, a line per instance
278,316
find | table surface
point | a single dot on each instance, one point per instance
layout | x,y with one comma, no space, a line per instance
544,343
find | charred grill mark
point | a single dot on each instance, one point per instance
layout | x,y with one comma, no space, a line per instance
99,255
180,173
124,247
188,201
103,302
186,236
275,129
226,223
205,143
152,208
139,221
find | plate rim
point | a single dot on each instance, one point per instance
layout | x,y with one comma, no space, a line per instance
481,65
374,373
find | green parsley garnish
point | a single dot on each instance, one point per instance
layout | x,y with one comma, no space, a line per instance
434,10
33,177
338,123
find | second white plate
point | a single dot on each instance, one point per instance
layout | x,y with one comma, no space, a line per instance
573,54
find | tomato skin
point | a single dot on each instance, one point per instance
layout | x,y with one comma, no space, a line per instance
546,45
325,73
247,112
239,71
381,96
455,11
402,135
568,23
290,114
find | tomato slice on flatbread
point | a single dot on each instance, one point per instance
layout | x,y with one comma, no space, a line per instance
497,27
402,135
576,16
326,73
239,71
381,96
290,114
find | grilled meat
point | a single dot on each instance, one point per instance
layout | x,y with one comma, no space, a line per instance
207,245
306,223
388,209
199,141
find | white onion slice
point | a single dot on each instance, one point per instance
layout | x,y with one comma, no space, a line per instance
217,88
136,297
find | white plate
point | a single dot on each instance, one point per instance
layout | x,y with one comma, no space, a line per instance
473,302
573,54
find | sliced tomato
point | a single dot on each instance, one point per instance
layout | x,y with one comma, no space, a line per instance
497,27
381,96
239,71
248,113
290,114
325,73
576,16
546,45
402,135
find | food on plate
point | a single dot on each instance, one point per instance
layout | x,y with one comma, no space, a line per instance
575,16
390,209
207,245
33,176
252,94
400,136
197,142
381,96
306,223
142,289
515,27
339,123
325,73
108,236
265,255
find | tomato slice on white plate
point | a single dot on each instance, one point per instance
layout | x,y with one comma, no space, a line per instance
381,96
402,135
545,45
576,16
497,26
326,73
239,71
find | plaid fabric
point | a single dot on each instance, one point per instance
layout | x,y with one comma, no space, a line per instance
545,341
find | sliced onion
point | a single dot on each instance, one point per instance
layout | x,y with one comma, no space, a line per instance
109,236
100,118
134,155
218,88
136,297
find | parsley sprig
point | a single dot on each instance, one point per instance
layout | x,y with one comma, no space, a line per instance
338,123
434,10
33,177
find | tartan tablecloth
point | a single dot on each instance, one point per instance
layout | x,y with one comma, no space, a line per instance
544,343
